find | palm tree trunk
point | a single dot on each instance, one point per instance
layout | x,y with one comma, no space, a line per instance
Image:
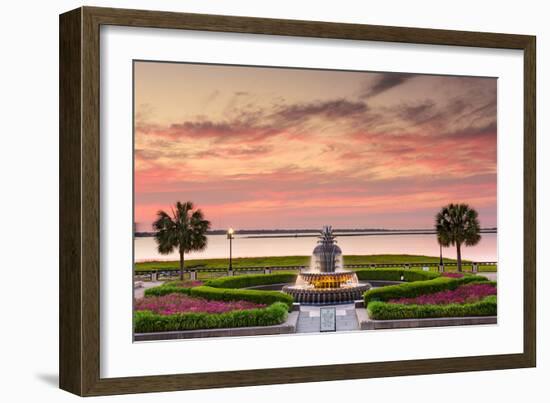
458,257
182,264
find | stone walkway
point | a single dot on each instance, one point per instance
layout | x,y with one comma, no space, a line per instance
309,320
138,292
491,276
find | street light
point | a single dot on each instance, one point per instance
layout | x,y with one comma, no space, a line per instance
230,233
441,267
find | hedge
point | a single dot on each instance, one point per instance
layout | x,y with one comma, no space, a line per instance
165,289
411,290
385,311
229,294
251,280
394,274
147,321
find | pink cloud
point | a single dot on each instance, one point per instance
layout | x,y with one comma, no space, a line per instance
379,157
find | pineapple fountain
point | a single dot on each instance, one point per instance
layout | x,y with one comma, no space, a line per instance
326,281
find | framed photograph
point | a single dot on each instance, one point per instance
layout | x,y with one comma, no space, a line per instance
254,194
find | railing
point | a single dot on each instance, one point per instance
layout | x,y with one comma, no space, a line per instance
191,273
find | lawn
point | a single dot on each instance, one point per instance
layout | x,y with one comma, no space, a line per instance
278,261
268,261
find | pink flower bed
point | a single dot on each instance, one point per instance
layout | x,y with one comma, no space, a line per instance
461,295
180,303
452,275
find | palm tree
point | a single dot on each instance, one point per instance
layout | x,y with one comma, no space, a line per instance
184,230
457,224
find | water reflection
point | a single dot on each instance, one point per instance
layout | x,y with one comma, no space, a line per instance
417,244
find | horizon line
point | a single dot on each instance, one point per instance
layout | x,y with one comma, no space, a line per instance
291,230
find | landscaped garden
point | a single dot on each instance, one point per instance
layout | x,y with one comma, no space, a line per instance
448,295
231,302
221,303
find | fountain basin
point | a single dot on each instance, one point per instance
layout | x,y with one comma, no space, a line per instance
326,288
326,296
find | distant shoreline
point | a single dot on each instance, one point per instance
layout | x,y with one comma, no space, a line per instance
305,233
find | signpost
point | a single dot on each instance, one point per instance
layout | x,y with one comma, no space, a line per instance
328,319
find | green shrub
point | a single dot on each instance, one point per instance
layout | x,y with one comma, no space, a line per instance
493,283
146,321
414,289
251,280
171,287
229,294
394,274
166,289
385,311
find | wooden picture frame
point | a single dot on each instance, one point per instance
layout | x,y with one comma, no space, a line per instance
80,199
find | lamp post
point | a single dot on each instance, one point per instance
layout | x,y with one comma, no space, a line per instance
441,267
230,233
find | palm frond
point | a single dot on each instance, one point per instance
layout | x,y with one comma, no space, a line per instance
457,224
184,230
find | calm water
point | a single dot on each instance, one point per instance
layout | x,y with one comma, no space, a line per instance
417,244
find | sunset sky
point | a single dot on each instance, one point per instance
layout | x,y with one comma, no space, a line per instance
266,148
